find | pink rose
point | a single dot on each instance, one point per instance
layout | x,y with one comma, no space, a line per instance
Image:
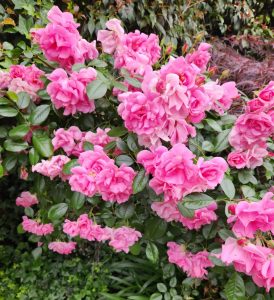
26,199
62,247
237,159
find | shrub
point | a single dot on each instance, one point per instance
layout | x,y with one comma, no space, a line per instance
128,148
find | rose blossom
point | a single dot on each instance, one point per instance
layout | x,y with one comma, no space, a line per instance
26,199
62,247
123,238
36,228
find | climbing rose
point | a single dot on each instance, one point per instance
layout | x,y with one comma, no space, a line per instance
36,228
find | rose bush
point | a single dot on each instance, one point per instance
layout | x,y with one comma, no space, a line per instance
132,148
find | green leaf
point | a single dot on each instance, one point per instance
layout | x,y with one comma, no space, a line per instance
186,212
124,159
140,181
120,85
78,67
161,287
8,112
134,82
135,249
246,176
1,171
248,191
23,100
36,253
88,146
125,211
210,231
155,228
97,89
98,63
228,187
7,46
225,233
197,200
57,211
77,200
9,162
14,146
19,131
132,143
152,252
214,125
222,141
43,145
235,288
3,132
110,146
12,95
68,166
4,101
33,156
29,212
117,131
40,114
207,146
156,296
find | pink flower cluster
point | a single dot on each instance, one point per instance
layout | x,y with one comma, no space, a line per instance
23,79
168,211
193,264
26,199
251,131
121,239
175,174
62,247
52,167
133,51
246,252
171,99
69,92
72,140
97,173
249,217
252,259
36,228
61,42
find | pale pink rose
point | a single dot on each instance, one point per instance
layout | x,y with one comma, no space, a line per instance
198,104
95,160
200,57
18,85
221,96
193,264
99,138
61,42
255,105
166,210
36,228
115,184
5,80
33,77
82,181
26,199
62,247
141,115
212,171
266,96
52,167
251,129
179,131
123,238
255,157
151,159
237,159
84,225
137,50
202,216
71,228
111,38
70,92
250,217
63,139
